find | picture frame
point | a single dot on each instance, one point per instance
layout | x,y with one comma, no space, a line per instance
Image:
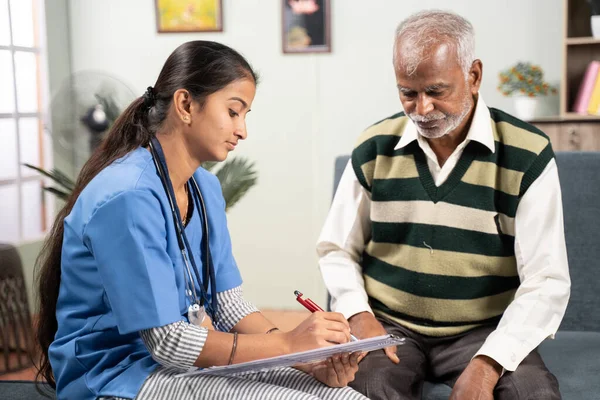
175,16
306,26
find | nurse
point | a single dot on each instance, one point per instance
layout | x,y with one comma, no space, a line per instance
141,252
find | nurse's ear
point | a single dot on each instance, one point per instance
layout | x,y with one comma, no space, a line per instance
182,103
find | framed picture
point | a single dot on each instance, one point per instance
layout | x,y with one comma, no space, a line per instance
306,26
189,15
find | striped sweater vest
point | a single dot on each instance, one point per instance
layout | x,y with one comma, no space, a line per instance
441,260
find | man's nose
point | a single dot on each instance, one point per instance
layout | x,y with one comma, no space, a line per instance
424,105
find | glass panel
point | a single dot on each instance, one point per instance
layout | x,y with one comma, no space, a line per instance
4,28
47,149
27,93
21,14
29,141
8,150
9,214
32,199
7,91
50,210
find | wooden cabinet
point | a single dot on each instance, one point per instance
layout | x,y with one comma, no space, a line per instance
572,136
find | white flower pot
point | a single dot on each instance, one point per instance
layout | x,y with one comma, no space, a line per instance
595,22
526,107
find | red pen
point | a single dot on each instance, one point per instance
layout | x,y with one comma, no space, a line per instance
313,307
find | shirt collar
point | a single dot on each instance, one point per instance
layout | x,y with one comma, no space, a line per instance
480,130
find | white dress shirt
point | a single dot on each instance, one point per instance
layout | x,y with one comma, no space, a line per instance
541,299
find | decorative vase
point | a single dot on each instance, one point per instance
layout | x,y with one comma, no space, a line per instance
595,22
526,107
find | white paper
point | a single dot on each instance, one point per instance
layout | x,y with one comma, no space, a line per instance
375,343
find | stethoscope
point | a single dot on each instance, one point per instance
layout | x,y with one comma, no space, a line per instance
197,303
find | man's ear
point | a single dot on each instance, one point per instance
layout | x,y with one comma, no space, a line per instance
475,76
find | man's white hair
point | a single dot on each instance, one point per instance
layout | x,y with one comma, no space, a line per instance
431,27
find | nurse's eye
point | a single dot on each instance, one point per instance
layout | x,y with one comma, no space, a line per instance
232,113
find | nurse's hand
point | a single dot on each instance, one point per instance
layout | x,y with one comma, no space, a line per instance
337,371
321,329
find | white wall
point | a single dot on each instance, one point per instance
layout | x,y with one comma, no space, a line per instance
309,108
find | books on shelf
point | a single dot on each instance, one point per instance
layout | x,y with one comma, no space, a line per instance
588,96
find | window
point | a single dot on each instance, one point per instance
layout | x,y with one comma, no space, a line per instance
25,208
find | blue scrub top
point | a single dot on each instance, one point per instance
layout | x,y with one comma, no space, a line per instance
122,272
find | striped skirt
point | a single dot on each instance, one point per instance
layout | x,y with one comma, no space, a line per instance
277,384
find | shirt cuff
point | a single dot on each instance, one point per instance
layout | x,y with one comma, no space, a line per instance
350,304
232,309
503,349
175,345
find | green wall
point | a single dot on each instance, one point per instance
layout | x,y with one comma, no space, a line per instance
29,253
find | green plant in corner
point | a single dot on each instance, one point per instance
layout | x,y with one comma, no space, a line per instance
65,184
237,176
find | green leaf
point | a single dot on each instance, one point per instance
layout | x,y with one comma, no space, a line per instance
237,176
58,193
209,165
56,175
64,179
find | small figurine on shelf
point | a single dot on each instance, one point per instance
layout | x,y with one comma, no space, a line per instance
525,82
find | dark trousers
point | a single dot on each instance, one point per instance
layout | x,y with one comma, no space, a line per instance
443,360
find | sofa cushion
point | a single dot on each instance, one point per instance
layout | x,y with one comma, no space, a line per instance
573,357
25,390
578,173
436,391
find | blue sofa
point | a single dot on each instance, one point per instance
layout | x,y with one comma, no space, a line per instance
574,356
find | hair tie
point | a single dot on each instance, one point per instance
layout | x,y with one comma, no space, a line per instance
149,97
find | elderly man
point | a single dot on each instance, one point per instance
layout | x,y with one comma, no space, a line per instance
447,229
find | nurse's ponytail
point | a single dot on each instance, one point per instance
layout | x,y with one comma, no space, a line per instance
200,67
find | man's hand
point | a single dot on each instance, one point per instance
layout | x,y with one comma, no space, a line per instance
364,325
336,371
478,380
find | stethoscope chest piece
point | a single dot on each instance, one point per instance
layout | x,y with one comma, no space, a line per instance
196,314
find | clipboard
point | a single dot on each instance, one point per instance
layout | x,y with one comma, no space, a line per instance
310,356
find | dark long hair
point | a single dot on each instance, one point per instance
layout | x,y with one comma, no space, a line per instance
200,67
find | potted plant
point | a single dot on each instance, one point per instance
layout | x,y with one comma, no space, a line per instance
525,83
236,175
595,18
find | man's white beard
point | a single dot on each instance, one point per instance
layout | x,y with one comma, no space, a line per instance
449,122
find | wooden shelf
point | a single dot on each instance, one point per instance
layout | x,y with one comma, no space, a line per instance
545,120
578,117
575,41
568,117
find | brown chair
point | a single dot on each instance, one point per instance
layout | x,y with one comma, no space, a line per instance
16,329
